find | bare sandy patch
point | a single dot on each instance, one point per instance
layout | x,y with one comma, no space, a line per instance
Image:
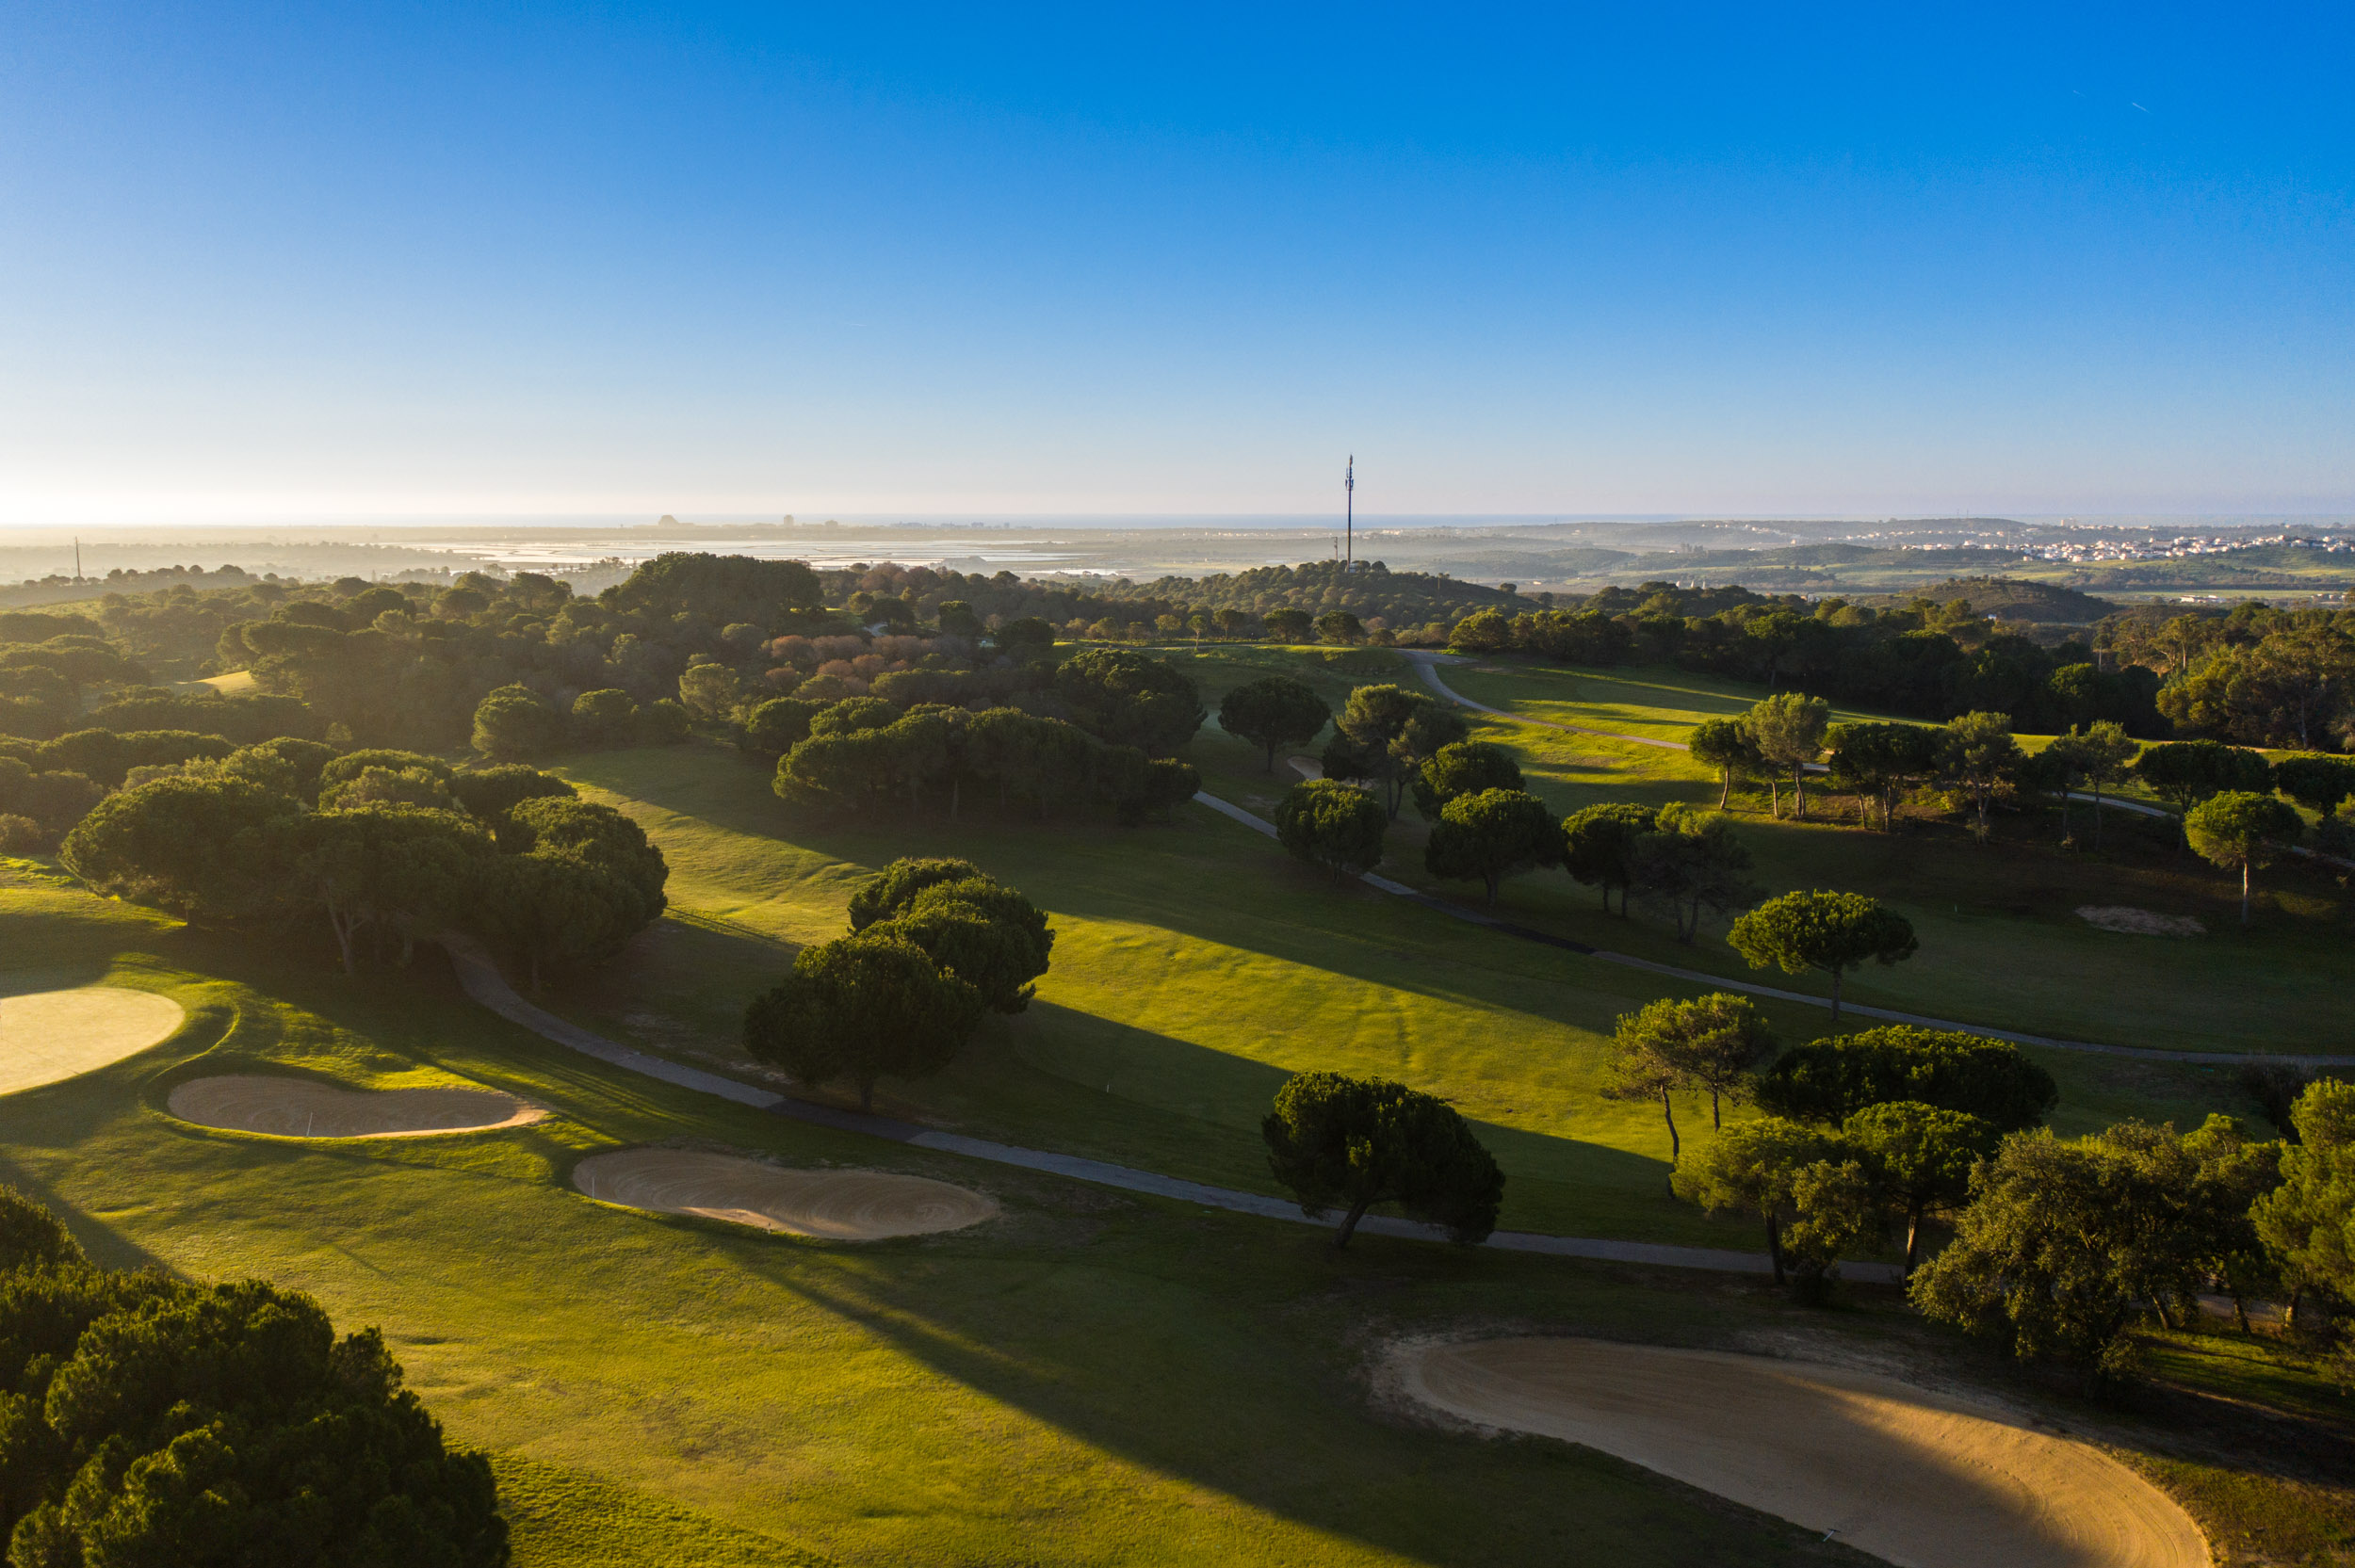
46,1036
303,1108
2140,922
842,1205
1920,1478
236,681
1308,767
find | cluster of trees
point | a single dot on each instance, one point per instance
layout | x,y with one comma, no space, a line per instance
1319,601
1862,1131
2059,1246
2225,793
48,662
146,1419
381,846
1121,715
1935,661
2253,675
1338,1142
933,945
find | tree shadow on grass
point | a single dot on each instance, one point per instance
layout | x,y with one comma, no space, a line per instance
1251,1382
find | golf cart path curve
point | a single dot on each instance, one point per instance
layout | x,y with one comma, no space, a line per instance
479,974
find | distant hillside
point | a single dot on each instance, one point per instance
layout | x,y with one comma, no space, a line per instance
2013,599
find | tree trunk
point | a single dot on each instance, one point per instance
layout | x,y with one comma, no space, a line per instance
2097,816
1774,1246
1726,793
1717,1122
1349,1224
1798,790
1493,878
2244,893
1676,1147
2240,1310
1835,1001
1271,758
1913,1239
343,936
1774,796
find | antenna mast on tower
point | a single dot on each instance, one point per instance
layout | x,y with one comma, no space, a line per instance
1349,513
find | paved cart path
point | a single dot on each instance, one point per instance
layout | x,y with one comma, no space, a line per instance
481,977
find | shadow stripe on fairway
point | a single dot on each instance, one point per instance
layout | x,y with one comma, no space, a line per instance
480,977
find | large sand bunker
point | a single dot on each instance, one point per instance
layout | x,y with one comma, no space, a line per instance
1919,1478
843,1206
49,1035
301,1107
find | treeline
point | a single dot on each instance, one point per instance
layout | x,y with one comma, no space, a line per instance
2253,675
150,1419
1929,660
382,848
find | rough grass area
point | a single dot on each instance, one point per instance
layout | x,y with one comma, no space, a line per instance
2257,1440
568,1519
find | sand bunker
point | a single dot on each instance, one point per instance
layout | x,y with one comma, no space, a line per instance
844,1205
1308,767
1919,1478
236,681
50,1035
302,1107
2140,922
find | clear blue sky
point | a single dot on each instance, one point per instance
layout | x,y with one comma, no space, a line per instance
265,262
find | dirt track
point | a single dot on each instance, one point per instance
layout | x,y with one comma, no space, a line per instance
1919,1478
843,1206
46,1036
302,1107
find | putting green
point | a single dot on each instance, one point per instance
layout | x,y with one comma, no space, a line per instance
49,1035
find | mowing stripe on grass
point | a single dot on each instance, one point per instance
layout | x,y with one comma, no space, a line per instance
481,981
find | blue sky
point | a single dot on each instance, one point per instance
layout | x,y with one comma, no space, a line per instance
397,259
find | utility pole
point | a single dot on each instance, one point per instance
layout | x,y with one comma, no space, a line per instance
1349,514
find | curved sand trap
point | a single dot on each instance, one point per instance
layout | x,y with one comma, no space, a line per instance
2140,922
301,1107
842,1205
1919,1478
50,1035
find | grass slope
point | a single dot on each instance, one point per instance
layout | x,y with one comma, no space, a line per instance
1097,1379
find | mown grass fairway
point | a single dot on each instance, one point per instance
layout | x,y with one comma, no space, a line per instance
1198,964
1092,1379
